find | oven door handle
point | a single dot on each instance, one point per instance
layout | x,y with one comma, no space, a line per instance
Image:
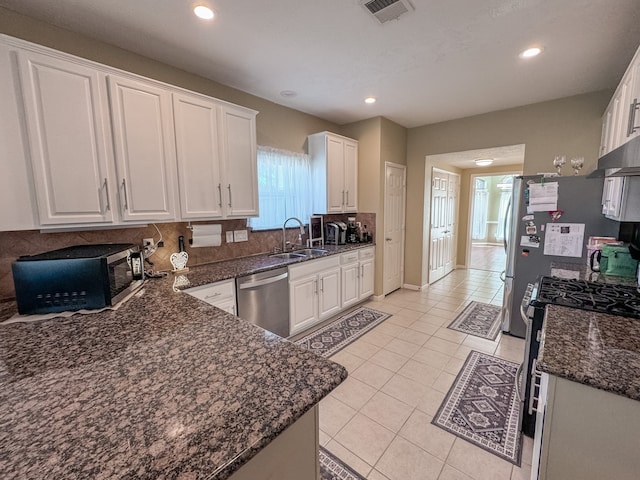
518,375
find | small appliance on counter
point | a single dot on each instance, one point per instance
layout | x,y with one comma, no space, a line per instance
336,233
353,231
75,278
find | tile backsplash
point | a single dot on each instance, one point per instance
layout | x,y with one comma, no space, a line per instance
17,243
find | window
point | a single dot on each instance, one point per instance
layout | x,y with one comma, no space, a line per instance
480,205
284,188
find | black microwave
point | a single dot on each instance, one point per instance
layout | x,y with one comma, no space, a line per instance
75,278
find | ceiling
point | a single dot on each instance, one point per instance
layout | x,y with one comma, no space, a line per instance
501,156
445,60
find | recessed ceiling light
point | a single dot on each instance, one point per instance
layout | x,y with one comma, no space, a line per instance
483,162
204,12
288,93
531,52
370,100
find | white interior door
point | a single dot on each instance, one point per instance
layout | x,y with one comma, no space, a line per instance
451,223
439,186
394,213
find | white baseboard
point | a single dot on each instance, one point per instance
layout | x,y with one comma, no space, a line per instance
415,288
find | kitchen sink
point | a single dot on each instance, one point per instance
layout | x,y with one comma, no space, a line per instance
312,251
288,255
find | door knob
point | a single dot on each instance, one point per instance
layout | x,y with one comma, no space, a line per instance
388,239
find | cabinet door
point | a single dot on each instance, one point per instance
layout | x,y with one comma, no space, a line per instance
144,149
303,303
607,120
67,125
350,176
633,126
367,271
16,185
335,175
200,184
350,284
329,293
239,158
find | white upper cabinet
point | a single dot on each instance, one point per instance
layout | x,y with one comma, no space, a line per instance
17,195
621,119
144,146
216,152
67,122
239,161
84,144
198,151
334,161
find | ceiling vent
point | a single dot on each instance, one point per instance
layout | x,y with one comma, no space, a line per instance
385,10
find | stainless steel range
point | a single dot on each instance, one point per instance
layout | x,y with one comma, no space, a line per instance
622,300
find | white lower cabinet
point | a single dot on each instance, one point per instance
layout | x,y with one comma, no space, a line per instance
357,268
314,292
220,294
585,433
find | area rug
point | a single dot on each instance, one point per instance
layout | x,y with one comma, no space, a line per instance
482,406
341,332
332,468
479,319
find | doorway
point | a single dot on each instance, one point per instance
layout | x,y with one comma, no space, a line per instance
490,196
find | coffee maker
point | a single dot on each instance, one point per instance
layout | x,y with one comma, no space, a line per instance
353,231
336,233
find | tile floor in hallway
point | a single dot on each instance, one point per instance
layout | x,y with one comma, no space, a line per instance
379,420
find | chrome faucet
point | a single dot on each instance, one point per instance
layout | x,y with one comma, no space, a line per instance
284,237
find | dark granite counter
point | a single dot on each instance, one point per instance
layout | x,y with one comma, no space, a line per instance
596,349
166,386
214,272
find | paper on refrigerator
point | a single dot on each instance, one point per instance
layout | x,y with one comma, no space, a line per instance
564,239
543,197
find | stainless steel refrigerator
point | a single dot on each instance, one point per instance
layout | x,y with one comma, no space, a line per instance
579,198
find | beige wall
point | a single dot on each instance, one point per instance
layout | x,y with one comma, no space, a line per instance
379,140
277,126
569,126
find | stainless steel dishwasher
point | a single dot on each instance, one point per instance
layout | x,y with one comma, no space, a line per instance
263,299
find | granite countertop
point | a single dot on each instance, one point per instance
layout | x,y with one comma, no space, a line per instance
166,386
237,267
596,349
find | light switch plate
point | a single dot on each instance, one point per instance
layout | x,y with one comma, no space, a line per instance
229,237
240,236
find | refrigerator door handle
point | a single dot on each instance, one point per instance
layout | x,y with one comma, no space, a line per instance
504,226
503,275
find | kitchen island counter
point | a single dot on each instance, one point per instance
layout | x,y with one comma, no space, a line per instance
595,349
166,386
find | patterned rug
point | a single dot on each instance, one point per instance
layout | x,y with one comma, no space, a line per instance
332,468
479,319
341,332
482,406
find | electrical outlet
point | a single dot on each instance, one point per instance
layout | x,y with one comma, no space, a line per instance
148,242
240,236
229,237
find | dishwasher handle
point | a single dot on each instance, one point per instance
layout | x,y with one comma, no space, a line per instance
266,281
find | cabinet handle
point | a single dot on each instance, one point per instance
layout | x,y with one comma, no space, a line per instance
315,286
106,189
347,202
230,200
343,198
220,195
126,200
631,128
322,284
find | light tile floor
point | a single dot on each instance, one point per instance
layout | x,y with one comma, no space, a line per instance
379,419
